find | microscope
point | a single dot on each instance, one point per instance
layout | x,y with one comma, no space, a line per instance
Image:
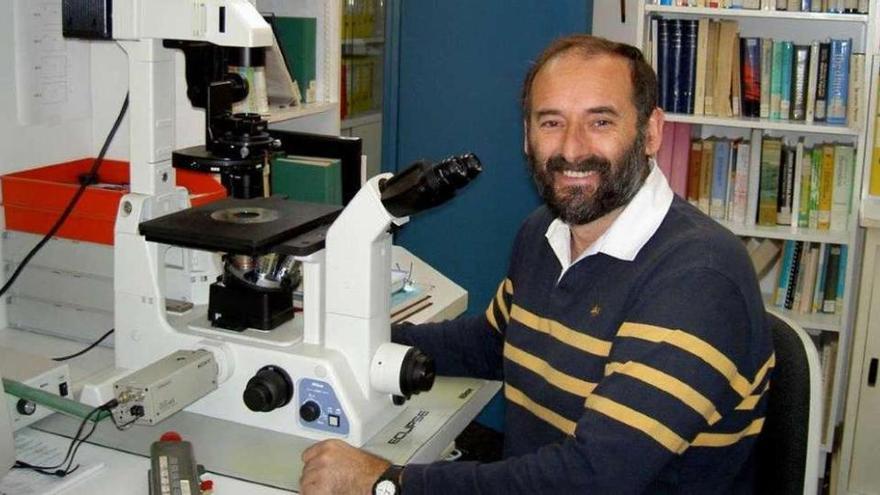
235,351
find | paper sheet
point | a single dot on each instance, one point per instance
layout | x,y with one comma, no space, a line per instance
31,449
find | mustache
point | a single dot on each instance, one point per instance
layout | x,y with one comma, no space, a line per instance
558,163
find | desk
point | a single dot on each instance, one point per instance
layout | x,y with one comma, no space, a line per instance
128,470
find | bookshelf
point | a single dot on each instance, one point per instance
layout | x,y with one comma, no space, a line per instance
363,55
801,28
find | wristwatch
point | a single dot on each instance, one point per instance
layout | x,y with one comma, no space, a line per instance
389,482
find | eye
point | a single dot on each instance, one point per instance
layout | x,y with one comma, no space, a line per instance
550,124
602,123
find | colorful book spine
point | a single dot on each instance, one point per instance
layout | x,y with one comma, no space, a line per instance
841,277
832,271
680,153
693,183
822,82
707,158
812,78
771,157
784,270
766,76
751,76
720,174
776,81
826,187
786,83
784,195
844,163
799,82
741,182
838,80
815,186
806,181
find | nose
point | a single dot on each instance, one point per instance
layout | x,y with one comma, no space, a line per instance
575,144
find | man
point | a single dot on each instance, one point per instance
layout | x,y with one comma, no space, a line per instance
630,329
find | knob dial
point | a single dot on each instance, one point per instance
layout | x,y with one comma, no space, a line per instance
310,411
25,407
268,390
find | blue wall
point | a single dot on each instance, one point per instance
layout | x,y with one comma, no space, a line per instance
453,79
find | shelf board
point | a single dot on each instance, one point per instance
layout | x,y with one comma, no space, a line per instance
756,123
280,114
809,321
774,15
361,119
787,233
376,40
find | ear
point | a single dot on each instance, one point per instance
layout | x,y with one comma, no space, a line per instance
525,137
654,132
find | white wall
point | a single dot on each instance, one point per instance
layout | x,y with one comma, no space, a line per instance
606,20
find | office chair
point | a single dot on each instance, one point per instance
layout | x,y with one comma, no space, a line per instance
788,448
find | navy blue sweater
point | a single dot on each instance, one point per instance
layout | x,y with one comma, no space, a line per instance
643,376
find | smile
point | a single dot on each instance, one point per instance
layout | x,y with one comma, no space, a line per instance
576,175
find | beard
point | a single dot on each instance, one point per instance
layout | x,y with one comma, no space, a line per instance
578,205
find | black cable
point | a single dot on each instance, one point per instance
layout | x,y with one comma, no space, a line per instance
69,209
70,456
87,349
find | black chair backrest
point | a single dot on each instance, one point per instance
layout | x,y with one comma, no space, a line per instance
781,450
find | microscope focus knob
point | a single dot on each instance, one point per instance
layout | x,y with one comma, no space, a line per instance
310,411
268,390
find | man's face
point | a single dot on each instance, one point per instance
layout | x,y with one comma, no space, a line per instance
587,155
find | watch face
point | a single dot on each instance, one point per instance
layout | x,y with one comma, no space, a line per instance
385,487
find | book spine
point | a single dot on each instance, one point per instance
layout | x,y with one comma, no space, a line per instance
676,45
796,187
786,181
776,82
844,161
822,82
829,299
784,270
680,155
771,156
819,289
804,198
799,82
711,68
786,83
693,182
741,182
855,105
751,76
812,76
801,278
815,186
701,62
754,188
793,273
707,156
663,52
826,187
688,68
841,277
838,81
719,178
766,76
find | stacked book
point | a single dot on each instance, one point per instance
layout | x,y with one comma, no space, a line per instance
704,67
777,184
811,278
828,6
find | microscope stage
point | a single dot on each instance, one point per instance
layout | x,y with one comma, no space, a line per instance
241,226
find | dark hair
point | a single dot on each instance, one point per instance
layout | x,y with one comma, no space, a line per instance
644,81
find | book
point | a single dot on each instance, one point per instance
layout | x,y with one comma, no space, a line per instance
701,62
726,42
841,278
815,186
794,300
784,194
664,155
736,79
844,163
786,82
751,76
720,174
741,182
855,103
783,275
805,304
663,62
776,81
674,66
826,187
819,287
688,67
764,255
806,161
838,80
800,68
766,76
693,183
711,68
707,158
680,157
797,183
754,178
812,77
793,273
822,82
771,157
297,38
308,179
829,298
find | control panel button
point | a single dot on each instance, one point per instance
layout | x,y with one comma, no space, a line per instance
310,411
333,420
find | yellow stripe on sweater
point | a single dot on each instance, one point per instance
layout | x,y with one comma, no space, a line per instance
561,332
543,369
517,397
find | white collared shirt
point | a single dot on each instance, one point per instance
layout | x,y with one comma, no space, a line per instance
629,232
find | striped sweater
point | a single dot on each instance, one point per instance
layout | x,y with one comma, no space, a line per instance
646,376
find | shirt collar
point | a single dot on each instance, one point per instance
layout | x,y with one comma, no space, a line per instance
629,232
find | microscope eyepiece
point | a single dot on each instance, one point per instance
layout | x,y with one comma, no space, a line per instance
423,186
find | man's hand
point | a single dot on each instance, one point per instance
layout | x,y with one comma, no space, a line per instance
335,467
